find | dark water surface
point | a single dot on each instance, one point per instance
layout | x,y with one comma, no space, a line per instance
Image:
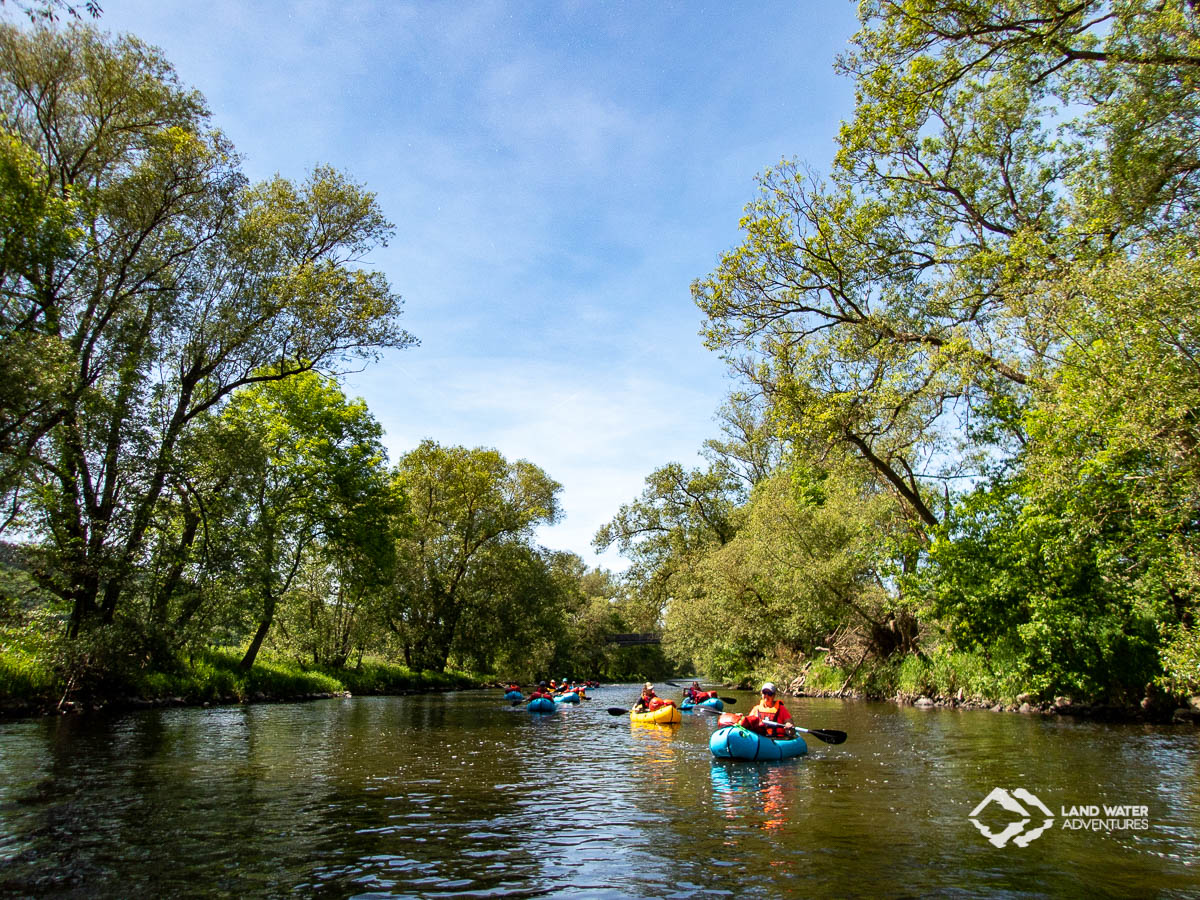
461,795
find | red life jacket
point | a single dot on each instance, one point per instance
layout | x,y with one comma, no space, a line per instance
777,713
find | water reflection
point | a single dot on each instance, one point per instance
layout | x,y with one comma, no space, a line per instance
763,789
463,795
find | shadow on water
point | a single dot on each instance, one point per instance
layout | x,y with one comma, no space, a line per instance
464,795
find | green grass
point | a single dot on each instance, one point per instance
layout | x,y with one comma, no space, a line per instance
29,677
377,676
23,675
215,675
939,674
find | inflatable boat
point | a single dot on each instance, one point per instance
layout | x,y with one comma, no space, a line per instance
735,742
664,715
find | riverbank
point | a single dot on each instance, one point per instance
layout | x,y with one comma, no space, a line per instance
963,681
213,678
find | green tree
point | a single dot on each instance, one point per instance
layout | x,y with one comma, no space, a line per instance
680,516
312,489
808,562
1055,143
184,283
468,505
36,227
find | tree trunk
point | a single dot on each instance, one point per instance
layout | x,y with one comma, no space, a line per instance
260,635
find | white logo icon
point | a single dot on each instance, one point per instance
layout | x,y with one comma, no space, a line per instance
1015,831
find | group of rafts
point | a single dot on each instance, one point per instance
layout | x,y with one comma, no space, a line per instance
731,740
544,697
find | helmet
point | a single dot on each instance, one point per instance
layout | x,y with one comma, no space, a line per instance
768,688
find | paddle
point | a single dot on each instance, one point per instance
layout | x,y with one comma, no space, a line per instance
617,711
828,735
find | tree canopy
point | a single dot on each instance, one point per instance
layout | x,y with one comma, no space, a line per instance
178,282
985,310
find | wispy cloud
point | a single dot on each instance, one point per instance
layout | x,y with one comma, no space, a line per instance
558,172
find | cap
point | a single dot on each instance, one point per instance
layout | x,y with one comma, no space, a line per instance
768,688
647,686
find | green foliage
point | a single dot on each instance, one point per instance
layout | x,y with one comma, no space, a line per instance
466,554
638,663
157,283
1021,580
36,227
305,469
1181,659
943,673
824,678
806,563
995,286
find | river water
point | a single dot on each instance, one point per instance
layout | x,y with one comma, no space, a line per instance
463,795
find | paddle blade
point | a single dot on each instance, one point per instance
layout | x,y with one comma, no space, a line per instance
828,735
729,701
617,711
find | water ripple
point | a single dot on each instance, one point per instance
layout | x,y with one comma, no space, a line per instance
463,796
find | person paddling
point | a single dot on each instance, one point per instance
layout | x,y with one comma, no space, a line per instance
695,695
540,691
650,701
770,710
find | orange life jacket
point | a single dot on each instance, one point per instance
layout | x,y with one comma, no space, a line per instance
777,713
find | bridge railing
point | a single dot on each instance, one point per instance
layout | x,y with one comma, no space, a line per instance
632,640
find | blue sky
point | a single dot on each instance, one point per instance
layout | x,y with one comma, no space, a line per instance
558,172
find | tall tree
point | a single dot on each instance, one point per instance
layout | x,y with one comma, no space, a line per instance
466,505
311,484
184,283
681,515
37,227
994,285
808,561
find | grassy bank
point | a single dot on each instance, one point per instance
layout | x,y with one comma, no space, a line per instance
31,685
962,680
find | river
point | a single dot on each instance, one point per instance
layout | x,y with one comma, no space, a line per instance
463,795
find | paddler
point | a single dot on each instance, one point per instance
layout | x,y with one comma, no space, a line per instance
650,701
696,695
770,710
